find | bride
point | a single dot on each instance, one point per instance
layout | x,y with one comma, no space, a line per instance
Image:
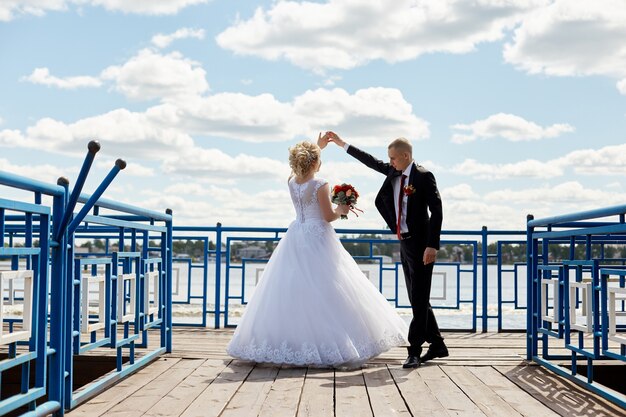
313,306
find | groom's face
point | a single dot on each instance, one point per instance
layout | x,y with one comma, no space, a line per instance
398,160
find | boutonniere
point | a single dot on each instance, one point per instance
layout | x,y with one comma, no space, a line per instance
408,190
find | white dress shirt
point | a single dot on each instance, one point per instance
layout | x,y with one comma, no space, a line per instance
396,191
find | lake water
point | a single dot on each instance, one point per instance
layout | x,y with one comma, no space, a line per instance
444,293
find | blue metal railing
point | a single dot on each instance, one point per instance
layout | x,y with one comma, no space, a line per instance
229,285
575,303
38,242
46,353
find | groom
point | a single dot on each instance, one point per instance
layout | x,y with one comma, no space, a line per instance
408,193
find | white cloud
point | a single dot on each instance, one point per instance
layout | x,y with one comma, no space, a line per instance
201,162
188,189
121,133
330,81
459,192
621,86
608,160
369,117
507,208
530,168
197,204
41,172
42,76
431,166
233,115
472,214
133,168
570,37
12,138
338,172
246,81
163,41
564,197
149,7
146,76
150,75
507,126
347,33
10,9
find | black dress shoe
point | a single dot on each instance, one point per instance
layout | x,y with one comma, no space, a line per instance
411,362
437,352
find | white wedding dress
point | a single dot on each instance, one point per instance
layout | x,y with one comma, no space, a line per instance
313,305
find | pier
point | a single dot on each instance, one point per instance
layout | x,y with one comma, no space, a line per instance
485,375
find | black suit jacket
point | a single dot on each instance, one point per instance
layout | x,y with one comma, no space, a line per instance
425,198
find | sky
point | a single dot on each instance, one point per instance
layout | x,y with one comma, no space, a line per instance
517,107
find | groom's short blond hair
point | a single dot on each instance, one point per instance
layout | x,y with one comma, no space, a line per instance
402,145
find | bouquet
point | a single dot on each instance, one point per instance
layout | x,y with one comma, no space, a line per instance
345,194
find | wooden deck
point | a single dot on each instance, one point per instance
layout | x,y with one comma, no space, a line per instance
485,375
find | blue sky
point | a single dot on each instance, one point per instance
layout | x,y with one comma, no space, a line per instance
516,106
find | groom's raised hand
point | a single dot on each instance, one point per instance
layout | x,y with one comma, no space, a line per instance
333,137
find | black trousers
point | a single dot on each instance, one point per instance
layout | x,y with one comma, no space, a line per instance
418,277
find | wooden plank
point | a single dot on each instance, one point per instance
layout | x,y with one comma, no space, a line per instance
151,393
520,400
252,394
417,395
384,396
178,399
484,397
284,396
351,395
564,397
212,401
448,393
317,394
124,389
242,389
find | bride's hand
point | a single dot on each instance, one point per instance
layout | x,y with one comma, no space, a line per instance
343,209
322,141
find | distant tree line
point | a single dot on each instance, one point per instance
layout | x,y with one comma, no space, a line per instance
511,253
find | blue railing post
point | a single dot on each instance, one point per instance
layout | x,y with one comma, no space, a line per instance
485,277
93,147
169,243
120,164
218,274
42,301
530,268
57,300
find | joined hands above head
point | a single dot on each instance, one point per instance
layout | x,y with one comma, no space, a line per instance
324,140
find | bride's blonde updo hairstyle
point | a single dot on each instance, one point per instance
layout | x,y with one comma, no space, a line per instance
303,158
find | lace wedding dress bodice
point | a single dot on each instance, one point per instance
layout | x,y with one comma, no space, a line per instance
304,198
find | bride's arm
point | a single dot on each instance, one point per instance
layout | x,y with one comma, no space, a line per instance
330,214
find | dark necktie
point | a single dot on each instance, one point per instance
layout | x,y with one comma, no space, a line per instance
400,195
